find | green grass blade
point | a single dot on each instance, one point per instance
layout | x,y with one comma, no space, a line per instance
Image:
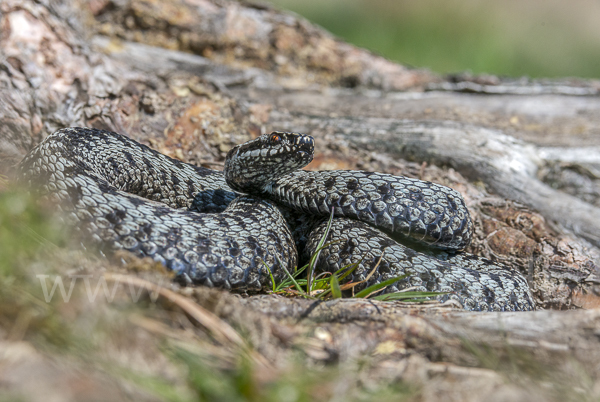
373,288
315,257
271,275
351,269
290,276
407,296
298,271
287,283
334,284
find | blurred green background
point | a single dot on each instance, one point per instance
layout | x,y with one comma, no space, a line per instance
537,38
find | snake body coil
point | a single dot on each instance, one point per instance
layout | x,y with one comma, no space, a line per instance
120,194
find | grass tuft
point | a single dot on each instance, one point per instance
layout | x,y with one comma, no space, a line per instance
330,285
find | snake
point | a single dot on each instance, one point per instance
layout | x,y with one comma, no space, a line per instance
251,224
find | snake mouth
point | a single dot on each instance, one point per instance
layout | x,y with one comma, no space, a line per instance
306,145
306,152
303,155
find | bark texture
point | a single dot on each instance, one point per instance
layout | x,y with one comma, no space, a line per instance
193,78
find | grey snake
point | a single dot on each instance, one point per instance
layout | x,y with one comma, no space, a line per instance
224,229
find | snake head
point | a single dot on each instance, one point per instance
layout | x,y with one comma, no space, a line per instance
251,166
295,147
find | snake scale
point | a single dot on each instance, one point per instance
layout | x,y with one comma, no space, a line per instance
224,229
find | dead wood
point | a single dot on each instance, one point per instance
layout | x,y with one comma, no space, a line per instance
193,78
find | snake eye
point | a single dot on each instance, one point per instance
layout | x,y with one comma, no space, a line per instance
275,138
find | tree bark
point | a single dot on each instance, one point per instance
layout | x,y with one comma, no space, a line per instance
193,78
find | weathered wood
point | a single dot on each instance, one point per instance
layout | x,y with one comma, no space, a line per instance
256,68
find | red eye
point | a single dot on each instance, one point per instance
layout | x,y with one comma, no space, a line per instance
275,138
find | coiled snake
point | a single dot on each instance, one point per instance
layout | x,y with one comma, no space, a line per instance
120,194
